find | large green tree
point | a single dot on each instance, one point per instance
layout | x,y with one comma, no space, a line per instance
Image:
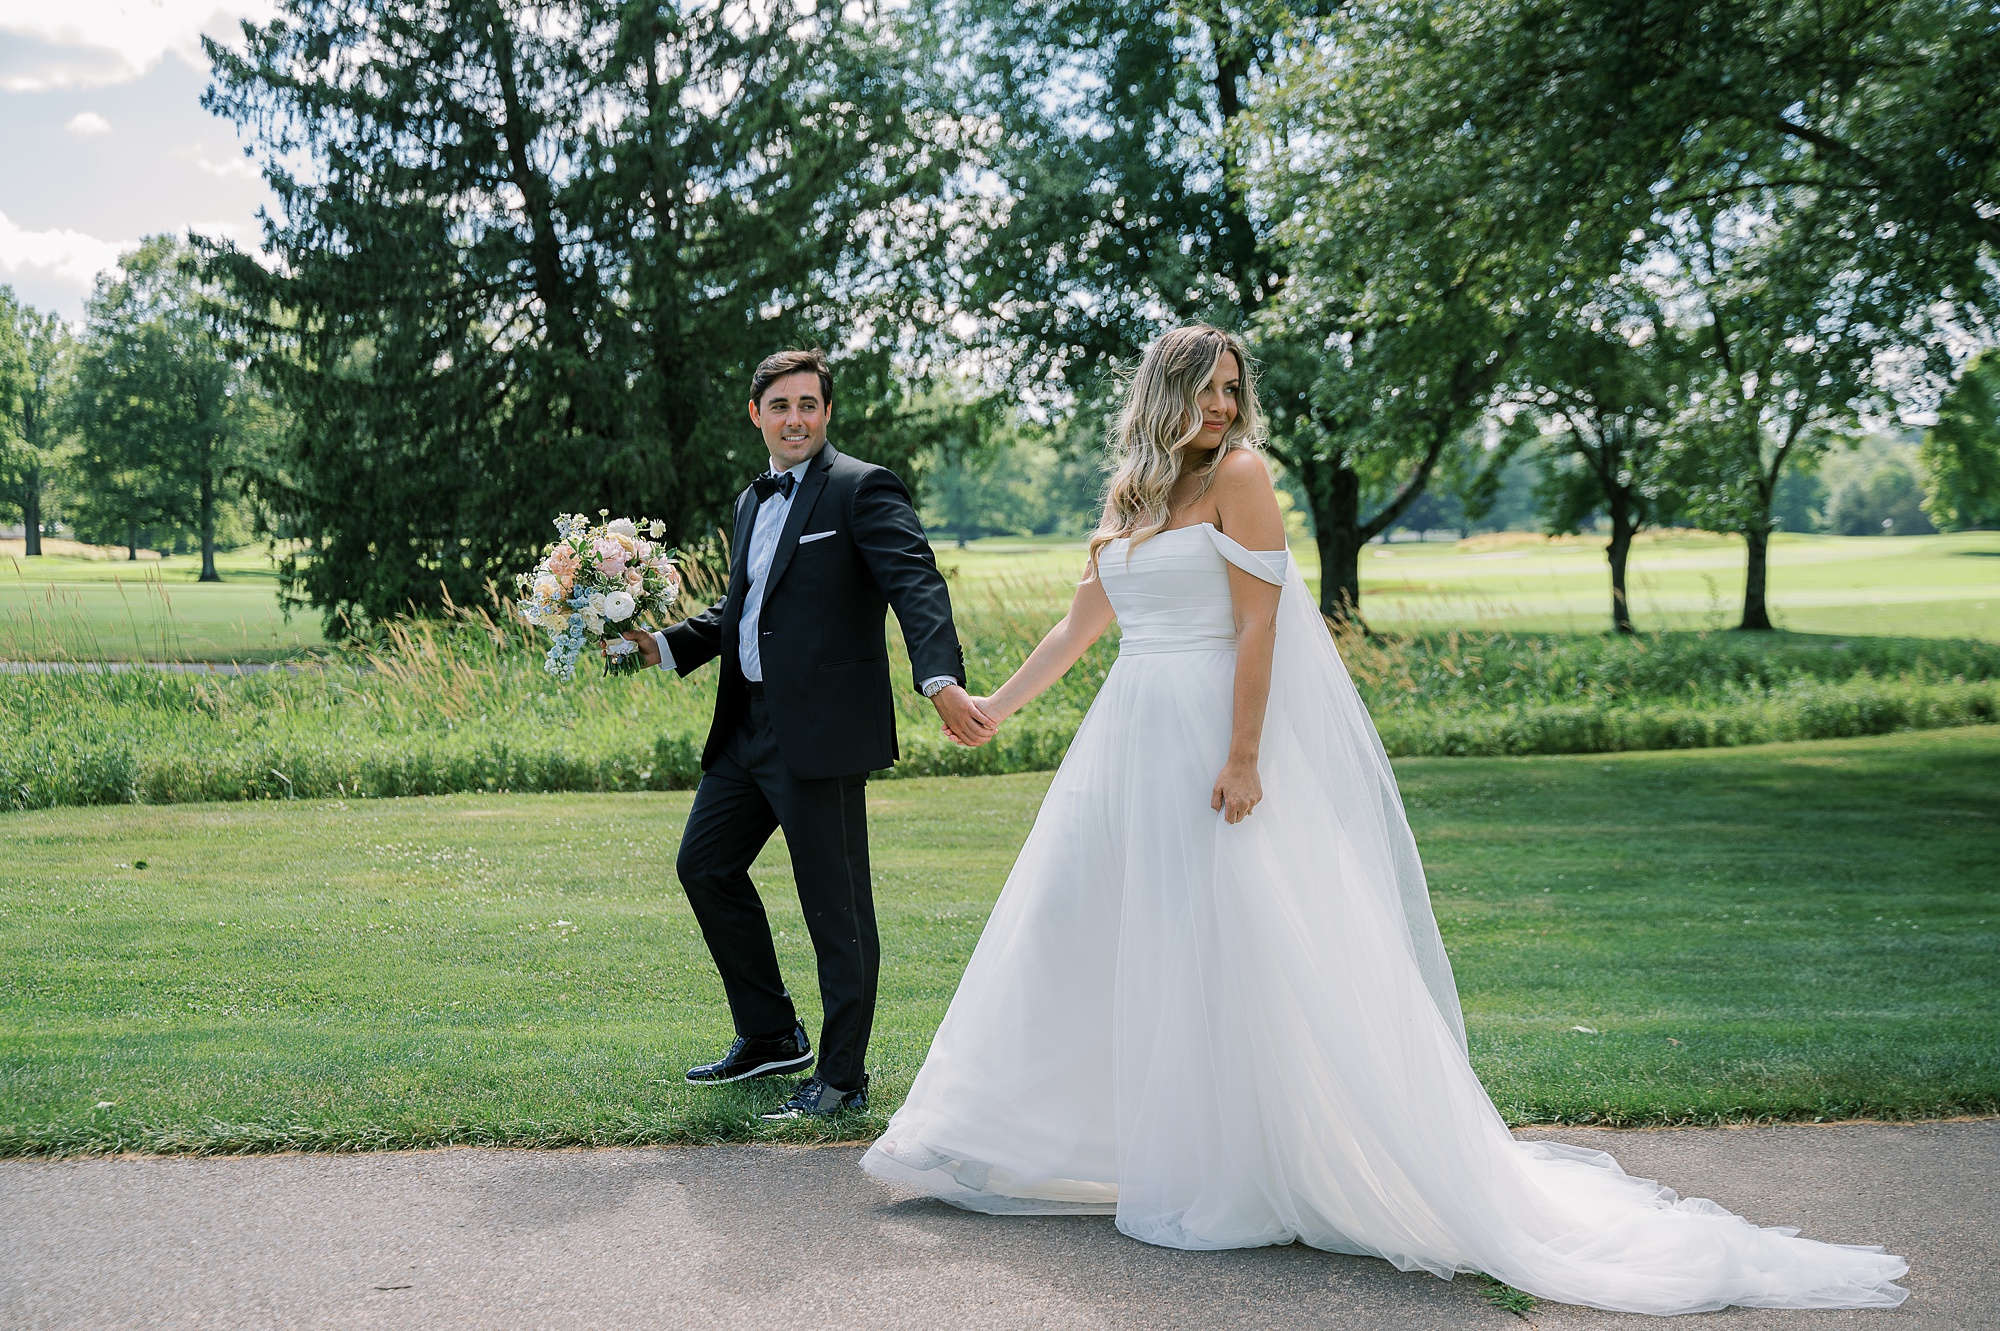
1101,203
1601,383
1960,454
165,415
1408,274
1830,168
1790,329
34,350
528,253
1120,184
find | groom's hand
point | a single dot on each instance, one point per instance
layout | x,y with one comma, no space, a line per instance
962,718
648,645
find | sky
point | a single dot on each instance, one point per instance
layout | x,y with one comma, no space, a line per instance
103,139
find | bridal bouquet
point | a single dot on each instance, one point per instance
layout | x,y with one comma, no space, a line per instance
593,583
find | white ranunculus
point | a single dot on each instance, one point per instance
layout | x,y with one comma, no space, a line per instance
621,527
619,606
658,529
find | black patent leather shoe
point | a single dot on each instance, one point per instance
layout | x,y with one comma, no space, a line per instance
816,1099
756,1058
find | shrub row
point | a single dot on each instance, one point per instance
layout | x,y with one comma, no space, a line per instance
1810,710
54,765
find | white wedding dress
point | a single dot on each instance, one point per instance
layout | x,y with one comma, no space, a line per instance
1230,1036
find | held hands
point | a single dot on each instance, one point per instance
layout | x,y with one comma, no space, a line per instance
648,645
1237,791
965,719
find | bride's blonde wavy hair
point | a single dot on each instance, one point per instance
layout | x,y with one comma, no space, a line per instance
1158,422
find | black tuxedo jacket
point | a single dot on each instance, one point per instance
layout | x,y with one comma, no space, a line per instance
823,644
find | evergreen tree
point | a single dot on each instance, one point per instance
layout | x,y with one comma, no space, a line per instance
530,253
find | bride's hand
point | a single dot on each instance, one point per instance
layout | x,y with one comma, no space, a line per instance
1237,791
984,714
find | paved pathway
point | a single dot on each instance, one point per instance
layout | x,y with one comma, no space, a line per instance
783,1237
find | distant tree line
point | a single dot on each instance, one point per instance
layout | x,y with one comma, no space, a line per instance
1608,263
144,428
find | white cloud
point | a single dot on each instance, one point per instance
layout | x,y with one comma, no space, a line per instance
71,257
89,43
233,166
88,122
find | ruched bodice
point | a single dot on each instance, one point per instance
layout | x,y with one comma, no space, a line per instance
1171,591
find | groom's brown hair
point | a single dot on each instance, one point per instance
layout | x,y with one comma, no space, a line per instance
774,368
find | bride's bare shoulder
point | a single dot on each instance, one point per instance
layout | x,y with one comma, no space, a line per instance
1243,467
1247,502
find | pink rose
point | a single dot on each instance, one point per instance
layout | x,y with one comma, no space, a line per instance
611,558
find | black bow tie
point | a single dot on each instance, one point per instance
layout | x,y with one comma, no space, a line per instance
781,484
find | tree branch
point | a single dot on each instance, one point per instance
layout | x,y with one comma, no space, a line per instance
1395,508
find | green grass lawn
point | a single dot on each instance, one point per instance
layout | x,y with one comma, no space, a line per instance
1925,586
66,608
1799,931
1919,586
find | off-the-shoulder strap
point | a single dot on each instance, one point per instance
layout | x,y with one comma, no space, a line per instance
1270,565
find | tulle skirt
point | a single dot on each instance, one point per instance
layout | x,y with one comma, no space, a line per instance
1229,1036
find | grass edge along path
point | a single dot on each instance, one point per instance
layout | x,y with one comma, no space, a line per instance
1801,931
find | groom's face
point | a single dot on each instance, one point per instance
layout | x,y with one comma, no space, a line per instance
792,417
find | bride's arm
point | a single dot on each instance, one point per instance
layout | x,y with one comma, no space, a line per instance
1089,615
1248,507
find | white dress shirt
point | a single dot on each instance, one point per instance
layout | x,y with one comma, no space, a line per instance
764,533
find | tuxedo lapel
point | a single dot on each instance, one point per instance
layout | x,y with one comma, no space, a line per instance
739,576
795,521
739,547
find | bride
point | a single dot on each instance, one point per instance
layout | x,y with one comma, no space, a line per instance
1211,999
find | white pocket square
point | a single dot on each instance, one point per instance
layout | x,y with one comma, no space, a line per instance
815,536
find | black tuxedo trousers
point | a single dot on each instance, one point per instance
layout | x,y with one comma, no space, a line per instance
747,793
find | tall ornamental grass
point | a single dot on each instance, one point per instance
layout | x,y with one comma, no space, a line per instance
460,703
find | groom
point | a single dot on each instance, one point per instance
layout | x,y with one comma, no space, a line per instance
823,544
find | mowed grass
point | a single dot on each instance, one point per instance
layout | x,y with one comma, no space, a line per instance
71,608
1915,586
63,608
1791,931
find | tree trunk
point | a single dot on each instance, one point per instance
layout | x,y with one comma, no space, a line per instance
1337,533
131,541
31,511
208,573
1756,614
1617,552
